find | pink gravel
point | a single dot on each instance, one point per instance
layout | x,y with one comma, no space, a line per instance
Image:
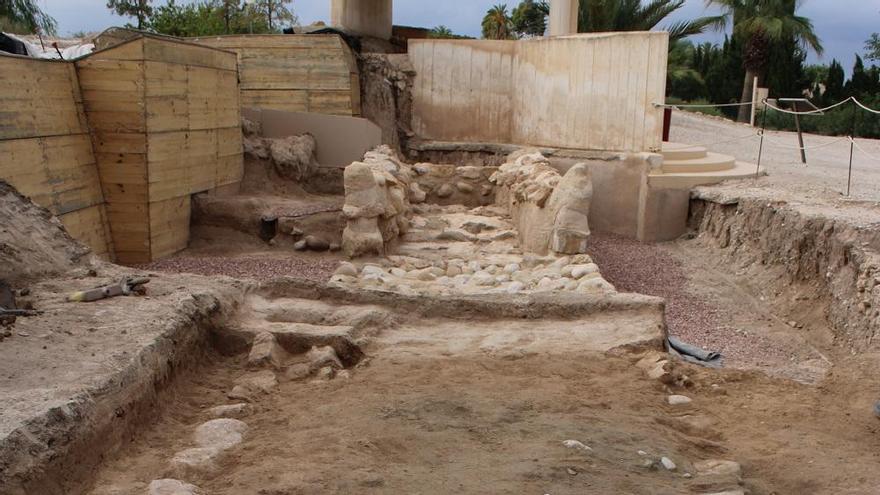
648,269
256,268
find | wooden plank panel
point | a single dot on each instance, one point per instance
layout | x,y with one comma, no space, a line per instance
169,226
285,100
122,168
37,98
57,172
175,52
270,40
88,226
330,102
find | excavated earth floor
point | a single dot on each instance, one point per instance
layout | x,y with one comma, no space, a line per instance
401,380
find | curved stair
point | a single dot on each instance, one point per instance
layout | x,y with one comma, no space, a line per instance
685,166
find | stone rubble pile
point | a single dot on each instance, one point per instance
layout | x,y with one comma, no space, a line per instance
550,211
450,184
293,157
377,202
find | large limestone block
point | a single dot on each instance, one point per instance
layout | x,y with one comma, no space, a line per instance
571,201
363,197
362,236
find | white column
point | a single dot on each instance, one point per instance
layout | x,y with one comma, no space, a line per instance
363,17
563,17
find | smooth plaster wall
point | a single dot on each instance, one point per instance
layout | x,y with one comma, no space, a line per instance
586,91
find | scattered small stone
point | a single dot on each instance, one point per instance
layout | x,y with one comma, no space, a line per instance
571,471
465,187
265,352
678,400
326,373
172,487
687,475
316,243
718,468
642,452
347,269
222,434
445,191
667,463
576,445
322,357
300,245
298,371
250,386
240,410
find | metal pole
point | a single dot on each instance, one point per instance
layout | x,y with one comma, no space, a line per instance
797,123
761,146
754,101
852,144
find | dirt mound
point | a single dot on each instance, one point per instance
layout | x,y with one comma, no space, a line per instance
33,243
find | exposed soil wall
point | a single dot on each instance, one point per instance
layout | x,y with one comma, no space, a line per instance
386,96
58,451
796,251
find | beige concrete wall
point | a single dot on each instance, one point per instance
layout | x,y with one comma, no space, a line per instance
463,89
365,17
587,91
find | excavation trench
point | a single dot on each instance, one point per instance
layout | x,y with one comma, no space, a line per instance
809,263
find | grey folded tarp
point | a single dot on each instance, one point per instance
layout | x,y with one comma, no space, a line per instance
693,354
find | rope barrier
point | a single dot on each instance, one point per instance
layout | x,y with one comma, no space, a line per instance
869,155
808,112
774,107
708,105
866,108
818,146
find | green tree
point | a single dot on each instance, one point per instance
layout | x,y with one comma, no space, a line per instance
834,83
529,18
759,24
497,24
206,18
632,15
25,16
873,47
139,9
275,12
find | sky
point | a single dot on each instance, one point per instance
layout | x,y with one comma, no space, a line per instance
842,25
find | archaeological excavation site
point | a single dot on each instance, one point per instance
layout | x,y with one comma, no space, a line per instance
353,261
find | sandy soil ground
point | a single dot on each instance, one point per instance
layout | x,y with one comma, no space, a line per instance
470,422
825,174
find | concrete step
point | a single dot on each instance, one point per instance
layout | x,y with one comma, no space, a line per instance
681,151
740,170
712,162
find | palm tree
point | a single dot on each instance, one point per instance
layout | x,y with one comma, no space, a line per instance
497,24
25,15
760,24
441,32
631,15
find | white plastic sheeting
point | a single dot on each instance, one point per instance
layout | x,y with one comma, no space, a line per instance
46,50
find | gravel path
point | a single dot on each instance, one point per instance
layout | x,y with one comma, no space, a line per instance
708,323
256,268
825,174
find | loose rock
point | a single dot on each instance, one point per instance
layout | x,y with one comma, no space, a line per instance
316,243
576,445
172,487
678,400
667,463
